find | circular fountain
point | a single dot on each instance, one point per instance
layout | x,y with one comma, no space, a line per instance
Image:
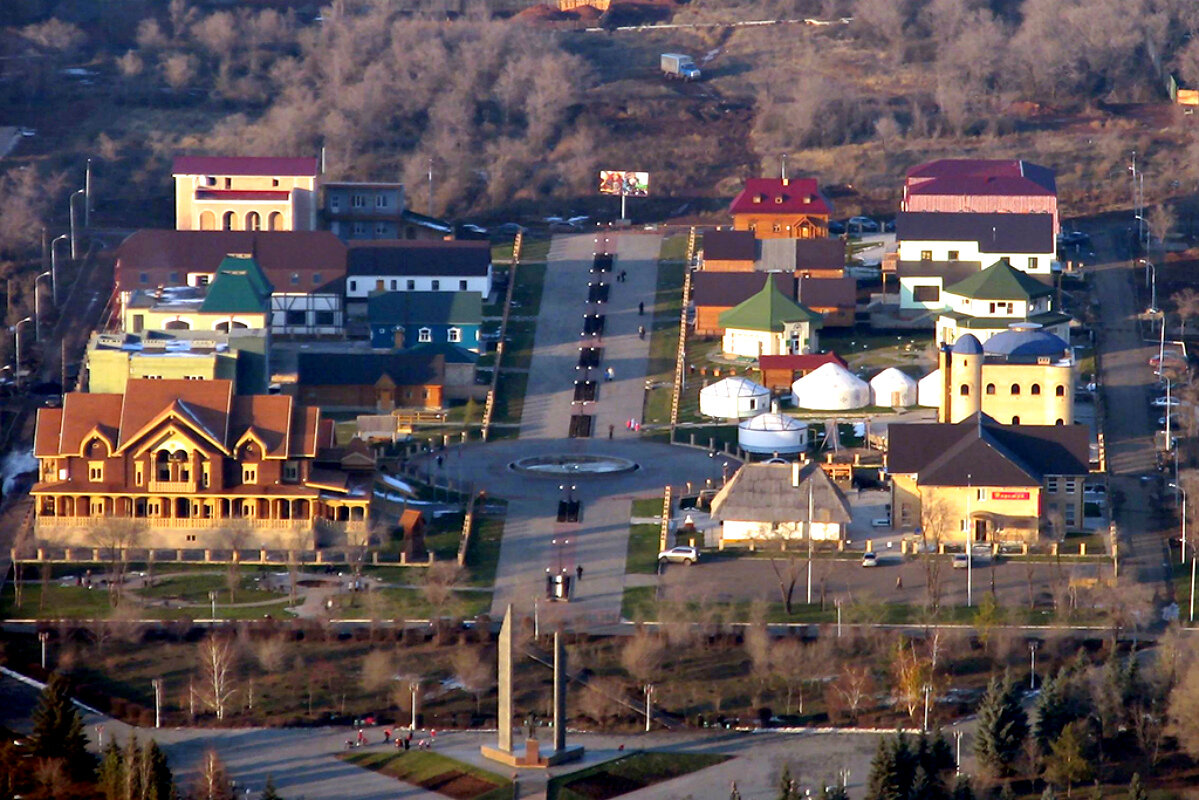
576,466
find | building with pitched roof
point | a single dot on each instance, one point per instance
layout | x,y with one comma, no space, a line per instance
779,372
371,210
769,324
990,301
189,464
238,297
242,356
976,185
407,319
740,251
979,481
240,193
781,502
1027,241
1024,375
372,381
729,251
457,266
781,208
713,293
305,268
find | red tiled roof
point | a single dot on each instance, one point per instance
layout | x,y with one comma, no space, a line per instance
243,165
241,194
771,196
48,431
800,362
81,413
269,416
204,403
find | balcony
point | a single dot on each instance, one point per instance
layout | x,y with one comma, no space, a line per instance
172,522
172,487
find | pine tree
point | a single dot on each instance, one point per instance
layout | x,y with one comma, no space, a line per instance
112,772
885,781
161,783
927,786
941,757
58,731
1067,762
833,793
1135,790
962,790
1002,727
269,793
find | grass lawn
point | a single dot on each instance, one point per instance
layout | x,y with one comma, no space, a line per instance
664,334
510,397
674,248
643,549
406,603
526,295
484,551
628,774
76,602
435,772
532,250
647,507
518,352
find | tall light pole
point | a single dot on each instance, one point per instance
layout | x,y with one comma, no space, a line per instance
87,196
957,735
212,599
927,690
649,693
37,306
1032,665
414,687
54,266
17,334
74,236
810,517
42,636
157,702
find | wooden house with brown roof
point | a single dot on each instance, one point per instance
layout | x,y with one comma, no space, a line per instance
781,208
191,465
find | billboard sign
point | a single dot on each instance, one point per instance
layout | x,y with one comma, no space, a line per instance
624,183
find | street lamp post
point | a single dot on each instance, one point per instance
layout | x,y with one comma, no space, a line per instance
17,334
1032,665
414,687
74,236
649,693
957,735
838,617
42,636
927,691
212,599
37,306
157,702
54,266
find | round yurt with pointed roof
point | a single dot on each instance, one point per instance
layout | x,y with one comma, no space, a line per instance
830,387
733,398
929,388
893,387
773,432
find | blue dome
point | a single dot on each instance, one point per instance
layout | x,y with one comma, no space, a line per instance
1026,343
968,345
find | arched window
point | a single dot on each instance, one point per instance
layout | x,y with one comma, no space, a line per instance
965,390
454,335
229,221
1061,391
1015,420
207,221
1035,389
1060,422
990,388
275,221
1015,388
425,335
177,325
253,221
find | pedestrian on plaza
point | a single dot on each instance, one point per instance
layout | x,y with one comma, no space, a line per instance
641,309
610,374
641,331
386,735
579,572
407,744
440,461
611,430
898,581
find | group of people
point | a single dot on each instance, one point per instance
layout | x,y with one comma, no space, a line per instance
401,742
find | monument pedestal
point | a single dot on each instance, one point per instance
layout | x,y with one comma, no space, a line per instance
532,756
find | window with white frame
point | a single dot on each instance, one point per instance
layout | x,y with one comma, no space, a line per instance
359,201
1051,485
380,201
425,335
455,335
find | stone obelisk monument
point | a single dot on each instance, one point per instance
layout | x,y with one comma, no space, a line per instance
559,694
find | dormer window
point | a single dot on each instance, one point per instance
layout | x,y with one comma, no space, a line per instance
779,200
759,198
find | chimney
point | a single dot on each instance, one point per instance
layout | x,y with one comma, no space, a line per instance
783,172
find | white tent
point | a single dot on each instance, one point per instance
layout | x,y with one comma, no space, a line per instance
830,387
773,433
733,398
893,387
928,390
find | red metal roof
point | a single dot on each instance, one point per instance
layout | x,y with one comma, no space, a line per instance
243,165
973,167
800,362
773,196
980,186
982,170
241,194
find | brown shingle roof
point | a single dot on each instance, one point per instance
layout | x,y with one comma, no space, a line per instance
48,430
828,292
270,417
83,412
730,245
728,289
206,404
765,493
244,165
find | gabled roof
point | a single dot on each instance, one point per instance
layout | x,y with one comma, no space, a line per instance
267,417
730,245
978,451
292,261
828,292
204,404
994,233
820,253
244,165
768,310
432,308
452,353
780,196
367,369
240,287
799,362
411,258
727,289
765,493
1039,179
1000,281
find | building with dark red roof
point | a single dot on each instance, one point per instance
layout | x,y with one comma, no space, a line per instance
781,208
779,372
240,193
981,186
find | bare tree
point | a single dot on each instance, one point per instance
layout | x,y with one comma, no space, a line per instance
850,689
378,670
1183,723
1161,221
271,652
212,781
115,537
234,537
937,524
912,673
642,655
1186,304
475,670
217,659
602,699
438,586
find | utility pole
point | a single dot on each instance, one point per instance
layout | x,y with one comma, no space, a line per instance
927,691
430,186
415,689
649,693
87,199
42,636
157,702
810,504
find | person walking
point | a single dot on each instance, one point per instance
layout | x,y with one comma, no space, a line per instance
641,309
579,572
641,331
610,374
611,430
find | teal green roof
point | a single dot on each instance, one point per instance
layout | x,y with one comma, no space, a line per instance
239,287
768,310
1000,281
430,308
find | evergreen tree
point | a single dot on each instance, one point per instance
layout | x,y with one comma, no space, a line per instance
269,793
1067,762
1007,792
927,786
833,793
1135,790
134,770
884,781
1116,691
962,790
112,772
160,784
1002,727
787,787
58,731
941,756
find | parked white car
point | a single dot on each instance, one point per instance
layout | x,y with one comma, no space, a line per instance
679,555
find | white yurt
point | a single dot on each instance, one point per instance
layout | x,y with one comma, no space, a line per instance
733,398
830,387
773,433
893,387
928,390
